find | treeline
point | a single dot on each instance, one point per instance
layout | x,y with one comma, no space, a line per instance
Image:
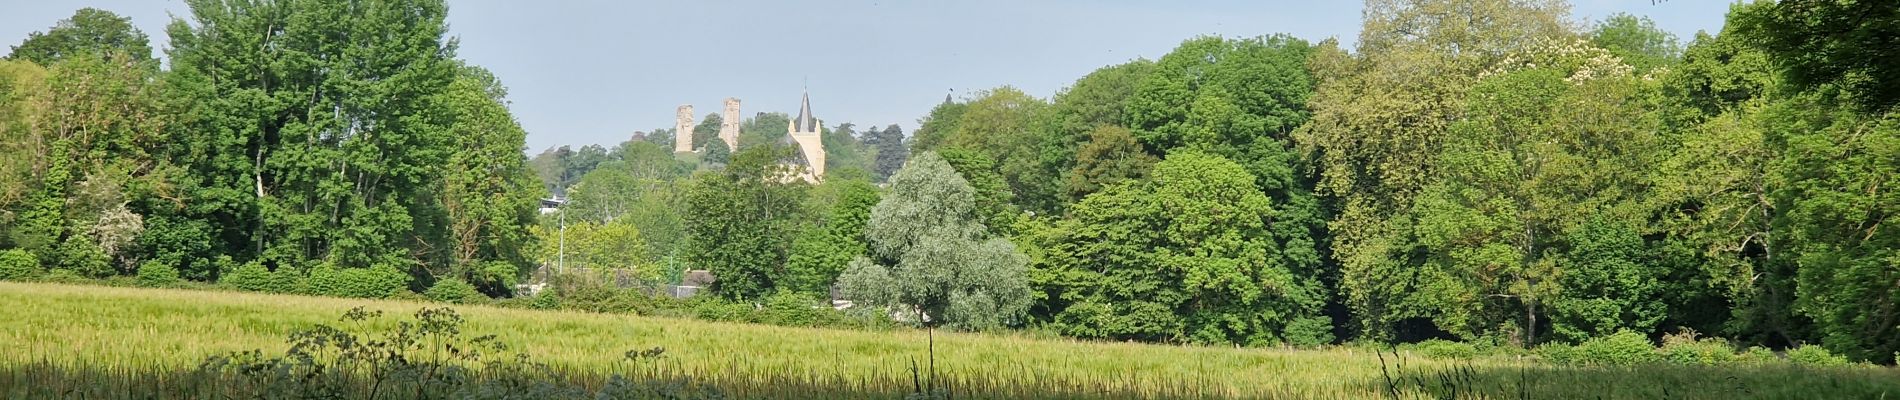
1478,170
286,135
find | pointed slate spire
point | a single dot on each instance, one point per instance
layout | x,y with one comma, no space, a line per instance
805,123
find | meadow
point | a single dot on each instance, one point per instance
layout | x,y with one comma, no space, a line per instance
107,342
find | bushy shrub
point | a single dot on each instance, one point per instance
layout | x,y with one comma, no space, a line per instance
1815,356
1440,348
1685,348
1620,348
286,280
545,301
18,265
495,278
252,277
793,309
1309,332
379,282
157,274
1556,353
594,294
725,311
84,258
1758,355
454,291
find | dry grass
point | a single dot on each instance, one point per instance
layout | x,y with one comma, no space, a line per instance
130,329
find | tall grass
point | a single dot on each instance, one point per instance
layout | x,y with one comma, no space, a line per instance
130,340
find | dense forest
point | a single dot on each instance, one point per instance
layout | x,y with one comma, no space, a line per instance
1480,170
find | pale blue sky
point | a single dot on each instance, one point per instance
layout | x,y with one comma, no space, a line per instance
586,72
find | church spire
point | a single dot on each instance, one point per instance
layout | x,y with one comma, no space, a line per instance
805,123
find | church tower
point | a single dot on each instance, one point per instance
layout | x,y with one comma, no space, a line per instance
804,132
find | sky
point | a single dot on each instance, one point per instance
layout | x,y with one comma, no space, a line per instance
595,71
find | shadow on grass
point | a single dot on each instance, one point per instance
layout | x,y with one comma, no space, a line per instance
1533,380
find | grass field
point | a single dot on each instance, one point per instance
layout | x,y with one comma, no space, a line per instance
91,329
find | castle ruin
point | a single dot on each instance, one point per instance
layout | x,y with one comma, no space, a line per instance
802,133
683,129
729,124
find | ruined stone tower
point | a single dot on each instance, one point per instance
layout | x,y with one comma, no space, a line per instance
729,125
804,132
683,129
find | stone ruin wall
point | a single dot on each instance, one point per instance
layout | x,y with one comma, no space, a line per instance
729,124
683,129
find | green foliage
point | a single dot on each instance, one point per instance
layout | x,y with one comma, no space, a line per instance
1758,355
937,126
1686,349
373,283
21,83
1815,356
560,167
1309,332
1841,228
1242,99
765,129
892,150
455,291
1110,156
845,153
1380,116
489,194
88,31
821,253
1000,125
358,185
495,277
781,309
707,131
743,218
1445,349
1637,41
611,246
716,152
933,260
157,274
1607,284
83,257
17,264
1091,107
1618,349
252,277
995,203
1188,256
1845,44
185,243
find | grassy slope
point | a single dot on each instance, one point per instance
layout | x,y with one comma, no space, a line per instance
169,329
